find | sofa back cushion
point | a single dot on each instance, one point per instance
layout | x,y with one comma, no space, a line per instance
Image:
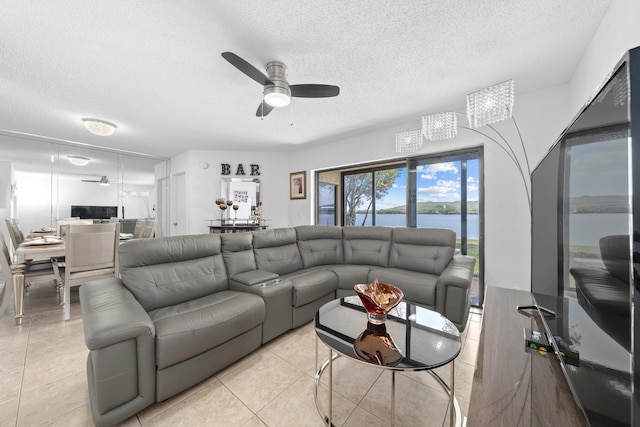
276,250
237,252
426,250
171,270
320,245
366,245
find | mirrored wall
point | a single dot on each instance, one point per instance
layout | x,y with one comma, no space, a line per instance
51,180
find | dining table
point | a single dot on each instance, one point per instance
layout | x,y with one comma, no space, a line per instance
27,252
41,248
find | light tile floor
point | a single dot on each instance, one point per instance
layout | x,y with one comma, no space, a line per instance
43,380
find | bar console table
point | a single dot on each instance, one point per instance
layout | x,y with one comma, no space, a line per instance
237,226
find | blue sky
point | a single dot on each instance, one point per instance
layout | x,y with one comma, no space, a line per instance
438,182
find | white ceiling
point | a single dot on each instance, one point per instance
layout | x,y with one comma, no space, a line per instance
155,69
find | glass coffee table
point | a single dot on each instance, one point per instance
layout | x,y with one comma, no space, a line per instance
413,338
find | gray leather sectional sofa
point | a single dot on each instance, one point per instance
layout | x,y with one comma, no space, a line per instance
185,307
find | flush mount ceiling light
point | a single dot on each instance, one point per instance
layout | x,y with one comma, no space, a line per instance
408,141
99,127
78,160
440,126
491,104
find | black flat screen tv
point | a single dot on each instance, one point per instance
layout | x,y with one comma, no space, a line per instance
585,241
94,212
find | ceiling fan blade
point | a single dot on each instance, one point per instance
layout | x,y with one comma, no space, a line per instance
88,180
314,91
263,109
247,68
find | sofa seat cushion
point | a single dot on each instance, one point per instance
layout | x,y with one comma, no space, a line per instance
309,286
188,329
417,287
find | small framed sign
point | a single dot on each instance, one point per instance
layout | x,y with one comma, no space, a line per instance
298,185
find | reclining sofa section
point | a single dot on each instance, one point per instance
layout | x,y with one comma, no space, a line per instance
185,307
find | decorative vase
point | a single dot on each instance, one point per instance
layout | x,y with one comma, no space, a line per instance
378,299
223,207
375,345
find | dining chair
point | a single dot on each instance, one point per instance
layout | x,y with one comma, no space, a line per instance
149,230
15,234
68,221
90,254
139,228
35,273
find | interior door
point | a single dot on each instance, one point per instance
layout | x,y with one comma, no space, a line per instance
178,225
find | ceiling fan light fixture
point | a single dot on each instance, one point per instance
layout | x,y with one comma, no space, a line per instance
78,160
104,181
99,127
277,96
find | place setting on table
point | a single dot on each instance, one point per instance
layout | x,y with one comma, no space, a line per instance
43,240
42,231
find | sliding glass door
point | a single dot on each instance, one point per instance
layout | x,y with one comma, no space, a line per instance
445,192
375,197
441,191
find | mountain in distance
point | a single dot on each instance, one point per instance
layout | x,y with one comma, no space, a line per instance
577,205
599,204
438,208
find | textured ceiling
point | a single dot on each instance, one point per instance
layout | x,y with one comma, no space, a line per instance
154,68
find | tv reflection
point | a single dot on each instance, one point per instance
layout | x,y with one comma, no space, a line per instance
604,293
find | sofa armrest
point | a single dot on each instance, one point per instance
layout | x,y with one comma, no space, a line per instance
121,363
452,290
277,295
241,281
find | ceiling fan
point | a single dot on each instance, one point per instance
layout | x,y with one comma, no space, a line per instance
277,90
102,181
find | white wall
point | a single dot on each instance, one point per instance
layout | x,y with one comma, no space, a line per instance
33,200
618,32
203,186
6,181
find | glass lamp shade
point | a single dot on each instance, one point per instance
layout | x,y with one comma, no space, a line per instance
408,141
440,126
491,104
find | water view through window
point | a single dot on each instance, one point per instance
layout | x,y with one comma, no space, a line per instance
428,192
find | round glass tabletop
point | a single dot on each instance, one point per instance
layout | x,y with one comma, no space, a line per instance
412,338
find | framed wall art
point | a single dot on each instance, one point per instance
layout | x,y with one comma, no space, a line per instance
298,185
